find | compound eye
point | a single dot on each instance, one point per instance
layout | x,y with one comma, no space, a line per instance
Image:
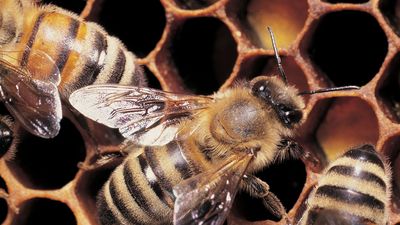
290,115
261,89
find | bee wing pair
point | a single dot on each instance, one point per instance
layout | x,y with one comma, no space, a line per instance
208,197
151,117
142,115
31,97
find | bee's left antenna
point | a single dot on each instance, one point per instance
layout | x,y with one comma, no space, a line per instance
278,59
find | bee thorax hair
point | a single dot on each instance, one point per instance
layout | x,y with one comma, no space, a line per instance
238,121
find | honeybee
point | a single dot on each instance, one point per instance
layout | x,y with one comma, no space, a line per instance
46,53
191,154
354,189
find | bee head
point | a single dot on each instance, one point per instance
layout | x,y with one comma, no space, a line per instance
283,99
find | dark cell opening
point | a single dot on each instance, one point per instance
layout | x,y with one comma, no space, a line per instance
3,203
152,80
349,47
198,4
50,163
286,181
139,24
389,91
3,184
391,11
3,210
75,6
44,211
347,1
204,53
89,185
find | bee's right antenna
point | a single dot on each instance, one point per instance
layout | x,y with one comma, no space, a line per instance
278,59
351,87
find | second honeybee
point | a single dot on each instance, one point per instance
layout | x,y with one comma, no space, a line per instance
45,51
354,189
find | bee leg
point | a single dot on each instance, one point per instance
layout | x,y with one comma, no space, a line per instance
4,195
293,149
260,189
103,159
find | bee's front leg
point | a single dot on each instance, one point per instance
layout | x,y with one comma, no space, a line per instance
291,148
260,189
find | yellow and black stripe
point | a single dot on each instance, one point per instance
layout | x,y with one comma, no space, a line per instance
10,21
82,51
354,188
139,191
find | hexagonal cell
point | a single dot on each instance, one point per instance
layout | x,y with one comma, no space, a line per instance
349,47
204,53
44,211
388,92
198,4
391,11
286,18
74,5
346,1
266,65
349,122
139,24
286,181
49,163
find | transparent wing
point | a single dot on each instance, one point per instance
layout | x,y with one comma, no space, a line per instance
144,115
31,97
208,197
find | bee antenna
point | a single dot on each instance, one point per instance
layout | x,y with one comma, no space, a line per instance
278,59
351,87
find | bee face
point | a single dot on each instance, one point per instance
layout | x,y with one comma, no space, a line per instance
281,98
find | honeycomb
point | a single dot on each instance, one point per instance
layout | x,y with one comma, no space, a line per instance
202,46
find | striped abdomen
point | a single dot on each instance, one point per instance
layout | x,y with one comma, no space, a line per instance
139,191
353,190
82,51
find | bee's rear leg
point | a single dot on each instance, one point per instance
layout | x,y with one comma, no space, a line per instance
4,195
260,189
111,158
103,160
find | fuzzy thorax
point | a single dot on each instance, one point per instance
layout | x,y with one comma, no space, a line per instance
240,121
